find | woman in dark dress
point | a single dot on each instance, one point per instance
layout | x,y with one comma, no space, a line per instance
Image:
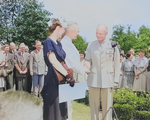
128,72
53,55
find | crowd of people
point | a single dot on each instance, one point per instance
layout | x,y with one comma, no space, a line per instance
41,70
134,74
21,70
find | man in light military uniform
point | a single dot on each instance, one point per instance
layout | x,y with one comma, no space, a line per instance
104,63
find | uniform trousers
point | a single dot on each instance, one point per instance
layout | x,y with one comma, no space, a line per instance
70,110
105,95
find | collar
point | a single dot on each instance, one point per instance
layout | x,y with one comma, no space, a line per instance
66,38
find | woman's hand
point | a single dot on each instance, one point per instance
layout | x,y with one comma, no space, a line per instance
70,73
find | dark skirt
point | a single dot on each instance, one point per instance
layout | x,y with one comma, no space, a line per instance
127,80
53,111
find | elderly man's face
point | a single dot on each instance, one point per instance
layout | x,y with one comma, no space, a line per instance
38,46
6,49
12,46
101,34
75,34
22,48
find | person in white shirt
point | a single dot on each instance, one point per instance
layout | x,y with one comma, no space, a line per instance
2,64
72,55
79,77
140,69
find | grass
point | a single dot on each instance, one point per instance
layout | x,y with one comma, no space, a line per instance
81,111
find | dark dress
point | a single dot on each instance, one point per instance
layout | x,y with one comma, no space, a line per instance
50,92
128,74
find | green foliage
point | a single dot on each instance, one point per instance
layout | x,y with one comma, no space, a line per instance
124,112
23,22
129,105
80,44
84,100
125,96
9,12
32,23
142,115
128,39
140,102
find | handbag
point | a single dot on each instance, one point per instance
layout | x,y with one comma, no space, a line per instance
3,73
61,77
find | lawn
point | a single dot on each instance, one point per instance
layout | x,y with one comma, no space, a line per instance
81,111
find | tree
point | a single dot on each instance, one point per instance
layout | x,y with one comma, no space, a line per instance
143,39
126,39
23,22
80,43
8,13
32,23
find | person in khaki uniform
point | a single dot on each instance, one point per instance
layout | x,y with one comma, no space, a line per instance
104,64
9,66
21,63
37,68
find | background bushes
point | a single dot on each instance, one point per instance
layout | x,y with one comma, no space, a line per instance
129,105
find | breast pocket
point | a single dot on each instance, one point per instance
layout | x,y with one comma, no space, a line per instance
110,54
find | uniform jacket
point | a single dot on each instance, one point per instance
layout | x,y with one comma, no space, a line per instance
37,63
105,64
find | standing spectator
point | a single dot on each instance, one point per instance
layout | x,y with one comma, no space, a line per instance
128,72
132,52
120,79
21,64
80,77
37,68
148,78
9,66
12,50
12,47
105,71
141,64
26,49
2,63
72,55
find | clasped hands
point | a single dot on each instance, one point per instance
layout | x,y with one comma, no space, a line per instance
137,75
23,72
71,80
88,66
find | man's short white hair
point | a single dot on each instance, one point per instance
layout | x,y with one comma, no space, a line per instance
20,105
72,26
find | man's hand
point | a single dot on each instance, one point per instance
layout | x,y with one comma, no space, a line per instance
24,72
87,71
31,73
8,71
87,64
115,84
21,72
